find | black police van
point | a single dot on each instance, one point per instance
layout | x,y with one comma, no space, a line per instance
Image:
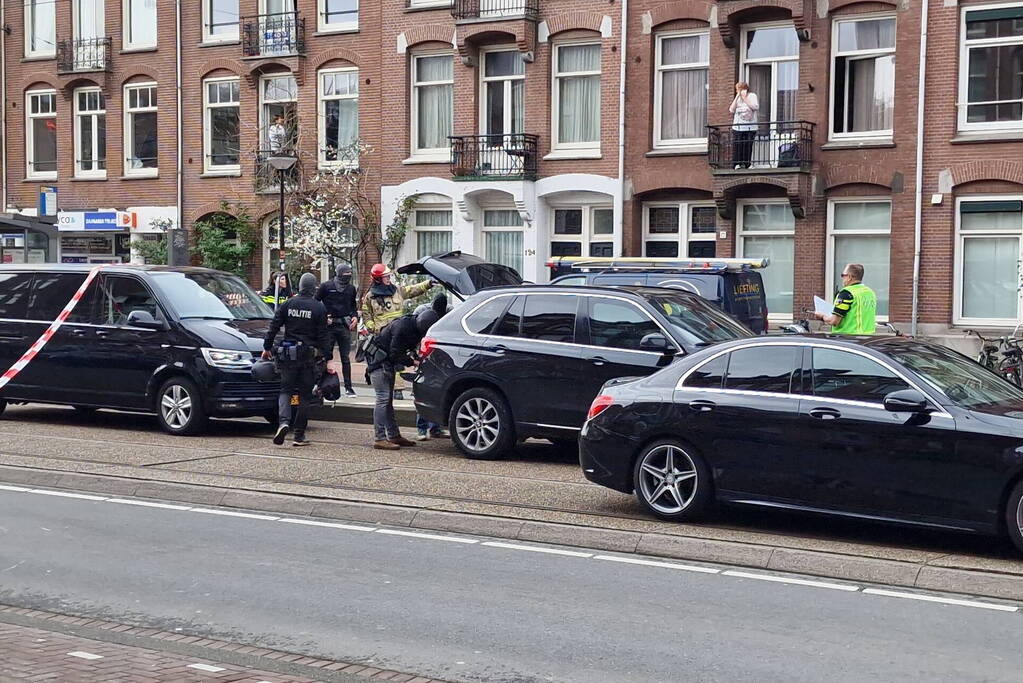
731,284
177,342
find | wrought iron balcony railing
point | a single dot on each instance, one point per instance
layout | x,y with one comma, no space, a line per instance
770,145
268,178
270,35
496,9
494,157
83,54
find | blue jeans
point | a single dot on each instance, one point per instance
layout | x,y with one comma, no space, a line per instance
425,427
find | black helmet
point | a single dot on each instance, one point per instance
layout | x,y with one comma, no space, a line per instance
265,371
425,319
329,387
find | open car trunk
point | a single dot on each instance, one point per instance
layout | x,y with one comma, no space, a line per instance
463,274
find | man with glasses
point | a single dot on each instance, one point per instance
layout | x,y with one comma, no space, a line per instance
855,305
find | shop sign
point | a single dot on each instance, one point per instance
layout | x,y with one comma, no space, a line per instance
84,221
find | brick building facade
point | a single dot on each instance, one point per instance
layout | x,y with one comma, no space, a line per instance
502,120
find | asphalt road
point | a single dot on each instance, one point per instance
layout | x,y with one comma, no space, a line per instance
472,611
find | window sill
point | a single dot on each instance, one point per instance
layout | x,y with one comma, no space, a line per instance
564,154
40,178
427,160
138,50
872,143
221,174
220,43
987,136
88,179
39,58
329,167
426,8
150,176
335,31
696,150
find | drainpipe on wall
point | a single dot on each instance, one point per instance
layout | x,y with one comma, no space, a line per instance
3,103
621,125
180,198
919,208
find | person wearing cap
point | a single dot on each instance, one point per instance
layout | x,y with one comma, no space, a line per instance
338,296
389,352
385,301
304,320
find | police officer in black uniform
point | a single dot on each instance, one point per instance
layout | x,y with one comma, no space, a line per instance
338,296
304,320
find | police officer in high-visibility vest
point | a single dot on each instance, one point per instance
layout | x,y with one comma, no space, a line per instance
855,305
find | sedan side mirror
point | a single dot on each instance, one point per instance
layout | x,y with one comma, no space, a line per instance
906,401
657,343
143,319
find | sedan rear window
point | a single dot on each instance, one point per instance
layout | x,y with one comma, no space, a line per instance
762,368
850,376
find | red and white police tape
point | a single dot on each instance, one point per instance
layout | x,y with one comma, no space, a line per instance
27,357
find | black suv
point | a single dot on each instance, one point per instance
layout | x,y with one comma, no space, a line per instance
527,361
733,285
178,342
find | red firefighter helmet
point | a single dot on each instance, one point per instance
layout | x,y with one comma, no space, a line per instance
379,270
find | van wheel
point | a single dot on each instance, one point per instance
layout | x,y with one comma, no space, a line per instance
1014,516
481,424
179,407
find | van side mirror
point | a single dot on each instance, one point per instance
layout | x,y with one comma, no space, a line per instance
144,319
906,401
657,343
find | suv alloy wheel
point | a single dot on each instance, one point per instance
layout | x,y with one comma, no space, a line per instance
481,424
179,407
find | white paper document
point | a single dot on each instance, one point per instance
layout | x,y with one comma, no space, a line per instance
821,306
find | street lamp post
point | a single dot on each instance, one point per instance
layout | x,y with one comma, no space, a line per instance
281,163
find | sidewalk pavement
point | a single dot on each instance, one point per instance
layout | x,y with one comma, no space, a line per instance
538,495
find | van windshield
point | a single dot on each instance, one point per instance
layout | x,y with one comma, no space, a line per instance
697,322
211,295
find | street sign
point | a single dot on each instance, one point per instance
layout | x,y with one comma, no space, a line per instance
47,201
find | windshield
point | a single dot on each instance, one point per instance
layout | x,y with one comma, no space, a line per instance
965,382
211,295
695,321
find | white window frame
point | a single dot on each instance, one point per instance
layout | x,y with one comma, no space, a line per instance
207,17
27,8
507,80
99,6
129,138
740,237
745,61
429,3
556,75
437,154
685,233
884,134
964,71
587,236
485,229
30,173
957,280
208,167
79,172
829,260
694,144
322,26
416,230
264,124
322,106
126,8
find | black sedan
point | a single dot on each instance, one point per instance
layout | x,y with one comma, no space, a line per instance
881,428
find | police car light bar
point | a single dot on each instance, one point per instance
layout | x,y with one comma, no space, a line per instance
705,265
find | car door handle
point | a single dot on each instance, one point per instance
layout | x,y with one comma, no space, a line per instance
11,337
102,333
825,413
597,360
702,406
499,349
78,333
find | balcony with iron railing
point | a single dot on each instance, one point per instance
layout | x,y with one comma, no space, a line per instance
268,179
79,55
772,147
273,35
494,157
495,10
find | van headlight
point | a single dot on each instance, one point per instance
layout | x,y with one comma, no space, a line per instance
226,359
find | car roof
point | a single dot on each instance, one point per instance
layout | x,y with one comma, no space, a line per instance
108,268
880,344
637,291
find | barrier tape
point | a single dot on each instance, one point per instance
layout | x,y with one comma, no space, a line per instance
36,347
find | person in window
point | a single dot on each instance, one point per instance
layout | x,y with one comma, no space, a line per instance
339,296
272,295
277,135
744,110
855,305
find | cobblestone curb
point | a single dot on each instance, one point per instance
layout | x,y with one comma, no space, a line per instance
921,575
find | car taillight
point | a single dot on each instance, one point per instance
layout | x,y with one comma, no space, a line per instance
599,405
426,347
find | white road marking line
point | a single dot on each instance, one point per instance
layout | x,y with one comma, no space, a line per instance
796,582
537,549
431,537
5,487
147,504
944,601
330,525
229,513
653,563
84,655
67,494
207,667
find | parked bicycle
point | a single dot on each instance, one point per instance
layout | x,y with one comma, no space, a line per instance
1001,355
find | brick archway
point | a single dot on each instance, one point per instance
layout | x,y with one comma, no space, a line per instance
699,10
837,175
971,171
732,14
330,54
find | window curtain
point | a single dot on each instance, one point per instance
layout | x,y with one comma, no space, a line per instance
433,242
778,279
43,23
990,277
684,104
505,247
435,102
869,35
873,93
579,96
142,26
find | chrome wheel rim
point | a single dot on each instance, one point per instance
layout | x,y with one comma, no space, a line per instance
1019,516
176,406
668,479
477,424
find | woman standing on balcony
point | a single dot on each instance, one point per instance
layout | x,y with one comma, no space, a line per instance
744,124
